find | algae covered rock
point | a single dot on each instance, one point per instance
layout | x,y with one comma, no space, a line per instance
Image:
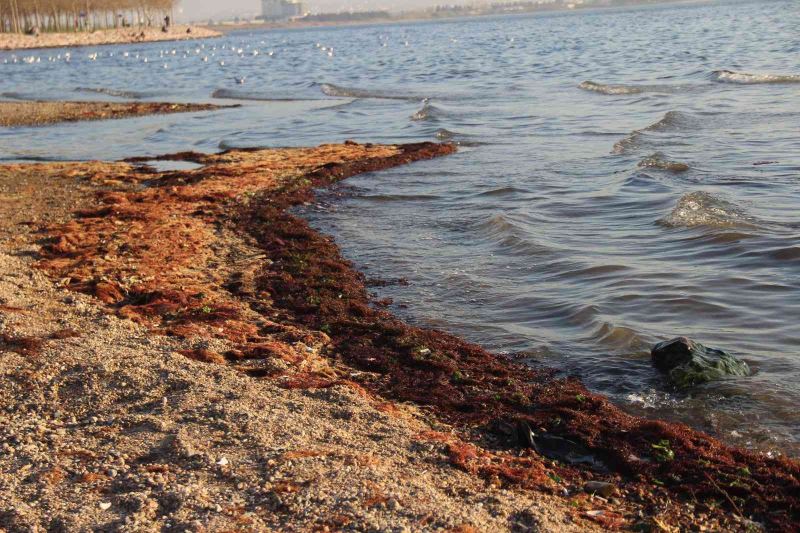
690,363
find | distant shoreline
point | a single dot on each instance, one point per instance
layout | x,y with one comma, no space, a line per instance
17,41
423,17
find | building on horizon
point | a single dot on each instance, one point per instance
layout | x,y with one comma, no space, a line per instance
280,10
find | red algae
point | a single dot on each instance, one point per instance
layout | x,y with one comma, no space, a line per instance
158,255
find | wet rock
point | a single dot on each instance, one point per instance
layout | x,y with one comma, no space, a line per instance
688,363
600,488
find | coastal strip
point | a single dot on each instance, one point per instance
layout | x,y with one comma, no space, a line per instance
210,264
19,41
39,113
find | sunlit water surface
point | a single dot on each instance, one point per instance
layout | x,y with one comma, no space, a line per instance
624,177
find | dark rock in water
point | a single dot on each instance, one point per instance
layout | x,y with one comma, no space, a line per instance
690,363
558,448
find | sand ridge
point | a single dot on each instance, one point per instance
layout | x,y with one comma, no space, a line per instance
38,113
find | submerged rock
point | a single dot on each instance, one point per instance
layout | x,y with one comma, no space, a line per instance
690,363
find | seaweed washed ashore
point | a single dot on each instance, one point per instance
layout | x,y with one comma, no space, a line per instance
211,258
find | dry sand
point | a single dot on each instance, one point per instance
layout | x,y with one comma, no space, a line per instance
105,426
15,41
30,113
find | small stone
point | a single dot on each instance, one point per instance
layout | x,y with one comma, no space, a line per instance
105,506
222,461
600,488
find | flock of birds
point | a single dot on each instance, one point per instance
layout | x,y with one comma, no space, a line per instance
205,53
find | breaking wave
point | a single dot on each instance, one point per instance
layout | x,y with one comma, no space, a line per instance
610,89
704,209
671,121
660,161
620,89
427,112
744,78
329,89
230,94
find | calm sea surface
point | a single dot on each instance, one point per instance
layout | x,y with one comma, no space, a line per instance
624,177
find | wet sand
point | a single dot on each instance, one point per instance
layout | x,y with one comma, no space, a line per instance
180,351
29,113
14,41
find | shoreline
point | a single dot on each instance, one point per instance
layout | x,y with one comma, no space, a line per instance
17,41
413,18
272,299
15,114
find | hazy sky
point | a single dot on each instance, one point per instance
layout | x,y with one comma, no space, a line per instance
202,9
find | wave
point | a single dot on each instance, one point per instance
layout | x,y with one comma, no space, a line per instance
745,78
496,226
329,89
659,161
618,337
671,121
133,95
610,89
704,209
427,112
231,94
620,89
12,95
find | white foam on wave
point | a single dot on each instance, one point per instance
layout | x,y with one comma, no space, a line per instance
610,89
337,91
745,78
701,208
427,112
661,162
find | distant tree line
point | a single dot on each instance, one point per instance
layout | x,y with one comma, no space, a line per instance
31,16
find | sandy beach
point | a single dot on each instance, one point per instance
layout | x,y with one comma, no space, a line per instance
178,351
9,41
29,113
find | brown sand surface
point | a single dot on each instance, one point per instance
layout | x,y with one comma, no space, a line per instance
177,351
16,41
34,113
